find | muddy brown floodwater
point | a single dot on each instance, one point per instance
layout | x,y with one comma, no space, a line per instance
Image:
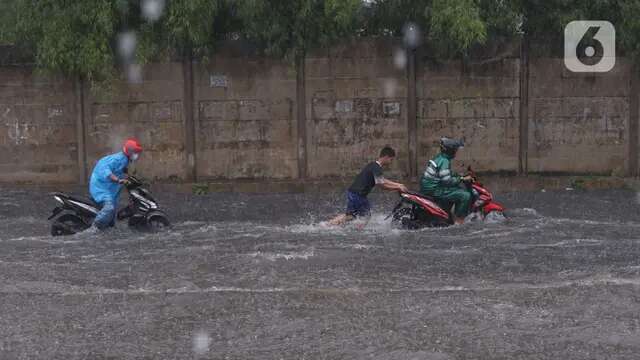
243,276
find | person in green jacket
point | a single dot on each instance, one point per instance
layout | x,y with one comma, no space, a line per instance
442,184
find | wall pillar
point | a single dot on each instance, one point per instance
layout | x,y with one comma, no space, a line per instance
633,164
301,116
523,149
80,103
412,118
190,132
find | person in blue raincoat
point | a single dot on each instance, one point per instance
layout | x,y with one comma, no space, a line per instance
107,179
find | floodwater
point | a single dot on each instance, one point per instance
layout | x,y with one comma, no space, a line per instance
246,276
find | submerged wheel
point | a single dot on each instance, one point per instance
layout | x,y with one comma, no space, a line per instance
67,224
157,222
402,217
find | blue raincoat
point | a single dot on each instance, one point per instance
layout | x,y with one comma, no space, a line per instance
101,187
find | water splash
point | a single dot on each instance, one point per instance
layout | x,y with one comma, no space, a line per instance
152,9
524,212
389,88
305,255
495,218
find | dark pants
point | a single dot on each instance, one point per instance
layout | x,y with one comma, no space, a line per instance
461,198
357,205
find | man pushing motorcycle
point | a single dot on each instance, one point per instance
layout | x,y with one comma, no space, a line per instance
107,179
442,184
370,176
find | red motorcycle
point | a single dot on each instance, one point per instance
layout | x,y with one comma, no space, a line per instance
415,211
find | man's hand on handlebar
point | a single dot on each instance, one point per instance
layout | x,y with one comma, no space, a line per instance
403,188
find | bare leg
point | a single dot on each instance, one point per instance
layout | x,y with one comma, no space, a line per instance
340,219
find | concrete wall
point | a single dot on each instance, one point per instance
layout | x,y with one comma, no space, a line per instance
357,104
151,111
37,127
245,108
578,123
477,102
255,117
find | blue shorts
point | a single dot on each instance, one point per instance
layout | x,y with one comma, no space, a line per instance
357,205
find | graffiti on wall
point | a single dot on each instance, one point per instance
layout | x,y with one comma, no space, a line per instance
18,132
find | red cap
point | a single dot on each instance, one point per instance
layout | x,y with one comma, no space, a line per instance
131,146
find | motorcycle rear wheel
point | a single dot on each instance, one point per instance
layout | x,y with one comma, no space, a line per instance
67,224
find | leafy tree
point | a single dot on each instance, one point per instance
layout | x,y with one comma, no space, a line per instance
73,37
388,17
190,27
456,25
80,37
292,27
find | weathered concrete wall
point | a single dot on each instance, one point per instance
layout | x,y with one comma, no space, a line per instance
578,123
357,99
151,111
246,117
356,104
478,102
37,127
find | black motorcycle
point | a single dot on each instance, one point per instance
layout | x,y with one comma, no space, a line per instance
76,213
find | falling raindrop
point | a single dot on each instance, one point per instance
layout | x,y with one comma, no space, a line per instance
134,73
201,342
399,58
411,35
389,87
152,9
127,45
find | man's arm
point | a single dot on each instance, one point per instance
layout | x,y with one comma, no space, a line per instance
393,186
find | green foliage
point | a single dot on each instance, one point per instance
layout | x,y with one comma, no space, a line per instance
80,37
68,36
628,28
189,24
290,27
456,25
388,17
7,22
200,189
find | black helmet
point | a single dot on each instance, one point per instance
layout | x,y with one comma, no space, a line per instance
450,146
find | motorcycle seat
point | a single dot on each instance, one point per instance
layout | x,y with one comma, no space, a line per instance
78,198
421,195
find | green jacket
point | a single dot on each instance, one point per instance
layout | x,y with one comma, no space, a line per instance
438,175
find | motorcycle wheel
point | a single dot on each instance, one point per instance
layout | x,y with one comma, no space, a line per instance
403,217
157,222
67,224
